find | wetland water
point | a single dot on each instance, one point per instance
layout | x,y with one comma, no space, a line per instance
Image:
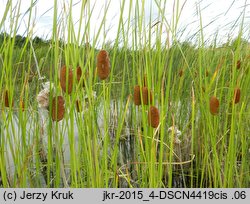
25,139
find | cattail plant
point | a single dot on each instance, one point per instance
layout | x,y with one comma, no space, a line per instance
103,65
236,95
153,117
147,97
58,109
137,95
66,81
214,105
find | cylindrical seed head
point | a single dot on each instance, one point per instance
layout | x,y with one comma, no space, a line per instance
103,64
58,108
153,117
137,95
22,105
147,96
78,73
238,64
64,78
78,106
6,98
214,105
181,73
236,95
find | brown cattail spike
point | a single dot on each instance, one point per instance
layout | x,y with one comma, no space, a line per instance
103,64
137,95
147,97
6,98
238,64
79,75
22,105
207,73
214,105
153,117
58,108
236,95
181,73
66,79
78,106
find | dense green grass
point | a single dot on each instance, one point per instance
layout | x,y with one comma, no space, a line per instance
115,146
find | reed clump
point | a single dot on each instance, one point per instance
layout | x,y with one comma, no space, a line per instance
58,109
214,105
66,80
103,64
236,95
153,117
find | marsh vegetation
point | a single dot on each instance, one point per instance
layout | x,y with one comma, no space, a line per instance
140,111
